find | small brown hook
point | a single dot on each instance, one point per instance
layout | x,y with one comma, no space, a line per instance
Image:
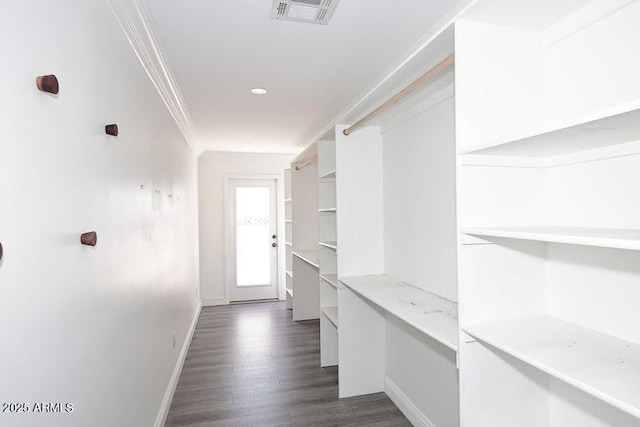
48,84
89,239
111,129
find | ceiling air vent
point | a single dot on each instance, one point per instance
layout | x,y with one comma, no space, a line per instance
310,11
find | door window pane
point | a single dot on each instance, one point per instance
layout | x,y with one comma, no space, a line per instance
253,236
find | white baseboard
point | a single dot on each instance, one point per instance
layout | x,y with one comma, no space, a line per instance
406,406
209,302
161,419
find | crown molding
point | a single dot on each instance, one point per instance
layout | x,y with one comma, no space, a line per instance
137,25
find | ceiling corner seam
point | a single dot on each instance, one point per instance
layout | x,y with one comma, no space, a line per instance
445,21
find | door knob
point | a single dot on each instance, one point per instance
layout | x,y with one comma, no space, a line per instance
275,245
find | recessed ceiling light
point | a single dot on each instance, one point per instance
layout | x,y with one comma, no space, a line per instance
258,91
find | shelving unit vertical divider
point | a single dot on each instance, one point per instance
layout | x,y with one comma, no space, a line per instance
359,222
288,238
304,245
328,250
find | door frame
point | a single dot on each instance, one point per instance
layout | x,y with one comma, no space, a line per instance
228,235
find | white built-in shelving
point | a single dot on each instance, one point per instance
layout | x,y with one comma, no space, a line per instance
601,365
331,279
397,244
611,126
427,312
288,214
328,175
599,237
332,314
549,213
309,257
304,238
523,206
329,245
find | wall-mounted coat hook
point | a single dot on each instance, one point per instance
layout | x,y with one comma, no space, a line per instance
48,84
111,129
89,239
0,251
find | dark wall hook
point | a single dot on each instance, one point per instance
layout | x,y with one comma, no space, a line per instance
111,129
48,84
89,239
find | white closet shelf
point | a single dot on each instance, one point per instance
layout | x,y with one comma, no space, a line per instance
288,244
329,245
327,210
329,175
331,279
603,366
608,152
310,257
289,273
331,313
433,315
609,127
290,292
601,237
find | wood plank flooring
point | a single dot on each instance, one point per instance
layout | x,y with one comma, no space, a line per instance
251,365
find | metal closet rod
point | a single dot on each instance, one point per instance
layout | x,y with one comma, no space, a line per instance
426,77
307,162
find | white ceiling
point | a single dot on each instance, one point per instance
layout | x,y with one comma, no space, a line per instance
524,14
220,50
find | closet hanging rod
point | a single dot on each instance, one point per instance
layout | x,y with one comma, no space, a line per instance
307,162
429,75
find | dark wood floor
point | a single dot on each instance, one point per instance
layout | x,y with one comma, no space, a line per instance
251,365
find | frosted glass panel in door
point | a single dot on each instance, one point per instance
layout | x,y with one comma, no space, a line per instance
253,236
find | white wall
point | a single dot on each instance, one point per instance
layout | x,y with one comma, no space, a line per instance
82,325
359,201
424,370
212,169
420,196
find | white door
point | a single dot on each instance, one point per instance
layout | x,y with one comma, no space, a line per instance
254,241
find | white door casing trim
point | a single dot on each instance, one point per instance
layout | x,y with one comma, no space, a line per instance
228,235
